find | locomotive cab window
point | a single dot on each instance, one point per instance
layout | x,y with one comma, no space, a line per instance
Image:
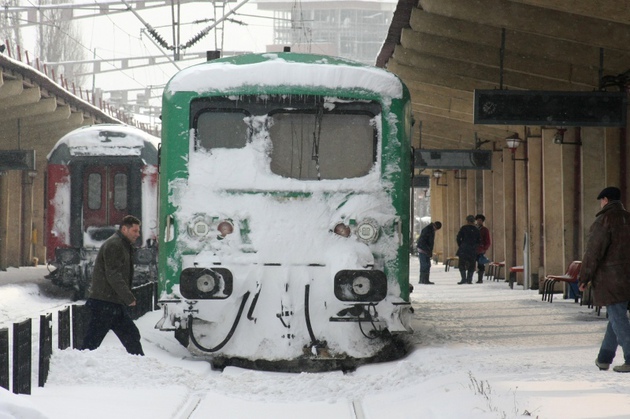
313,146
220,128
312,138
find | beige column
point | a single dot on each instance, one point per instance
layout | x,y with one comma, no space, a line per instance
509,208
454,215
521,210
438,213
535,213
488,207
15,218
594,164
571,183
4,219
553,205
498,221
26,233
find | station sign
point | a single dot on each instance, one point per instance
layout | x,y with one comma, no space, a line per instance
557,108
17,160
453,159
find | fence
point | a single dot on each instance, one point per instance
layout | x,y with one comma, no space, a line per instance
72,323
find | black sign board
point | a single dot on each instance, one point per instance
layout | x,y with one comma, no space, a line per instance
17,159
453,159
540,107
421,181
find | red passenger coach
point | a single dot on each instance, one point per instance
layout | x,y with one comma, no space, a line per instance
95,176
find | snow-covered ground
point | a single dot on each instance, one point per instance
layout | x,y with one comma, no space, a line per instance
480,351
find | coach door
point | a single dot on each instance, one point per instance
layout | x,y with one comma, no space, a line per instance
105,195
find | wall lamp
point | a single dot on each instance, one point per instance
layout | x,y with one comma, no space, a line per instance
558,137
437,174
513,141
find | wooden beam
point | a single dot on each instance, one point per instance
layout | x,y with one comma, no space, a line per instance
45,105
26,97
536,20
615,61
612,10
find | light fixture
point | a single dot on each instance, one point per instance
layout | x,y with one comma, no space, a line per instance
437,174
558,137
513,141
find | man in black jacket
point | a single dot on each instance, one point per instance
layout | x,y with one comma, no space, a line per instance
111,290
425,250
468,239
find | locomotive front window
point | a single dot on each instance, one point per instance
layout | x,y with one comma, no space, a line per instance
315,146
94,191
120,191
220,128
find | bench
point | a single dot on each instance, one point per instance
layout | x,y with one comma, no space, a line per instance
494,271
436,257
513,271
570,278
452,262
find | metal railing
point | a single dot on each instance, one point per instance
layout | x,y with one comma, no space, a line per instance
72,322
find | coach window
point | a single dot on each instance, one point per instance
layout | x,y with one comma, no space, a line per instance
120,191
219,128
315,146
94,191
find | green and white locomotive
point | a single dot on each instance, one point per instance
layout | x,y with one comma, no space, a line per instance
284,211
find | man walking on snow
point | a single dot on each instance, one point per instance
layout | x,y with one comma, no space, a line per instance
606,266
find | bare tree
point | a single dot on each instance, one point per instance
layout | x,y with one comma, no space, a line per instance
10,25
59,39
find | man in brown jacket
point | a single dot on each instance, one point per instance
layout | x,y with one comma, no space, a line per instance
111,290
606,266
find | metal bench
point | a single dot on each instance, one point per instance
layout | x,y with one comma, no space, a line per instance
570,278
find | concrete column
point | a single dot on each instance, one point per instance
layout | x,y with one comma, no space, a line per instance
498,221
571,175
535,204
4,219
553,204
471,191
521,210
488,207
594,167
26,233
509,208
454,215
438,213
15,219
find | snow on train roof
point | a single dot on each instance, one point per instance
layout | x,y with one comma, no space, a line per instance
105,140
291,69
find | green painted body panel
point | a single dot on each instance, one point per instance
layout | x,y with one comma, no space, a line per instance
395,149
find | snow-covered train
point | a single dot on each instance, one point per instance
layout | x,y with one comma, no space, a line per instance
284,212
95,176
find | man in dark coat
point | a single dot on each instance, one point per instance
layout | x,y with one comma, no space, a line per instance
111,290
483,247
468,239
606,266
425,250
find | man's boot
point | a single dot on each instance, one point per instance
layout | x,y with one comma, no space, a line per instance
480,280
424,278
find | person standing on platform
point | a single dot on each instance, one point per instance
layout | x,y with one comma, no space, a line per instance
468,239
606,267
111,290
483,247
425,250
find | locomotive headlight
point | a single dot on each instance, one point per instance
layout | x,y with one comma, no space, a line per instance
367,230
199,228
342,230
225,228
205,283
360,285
